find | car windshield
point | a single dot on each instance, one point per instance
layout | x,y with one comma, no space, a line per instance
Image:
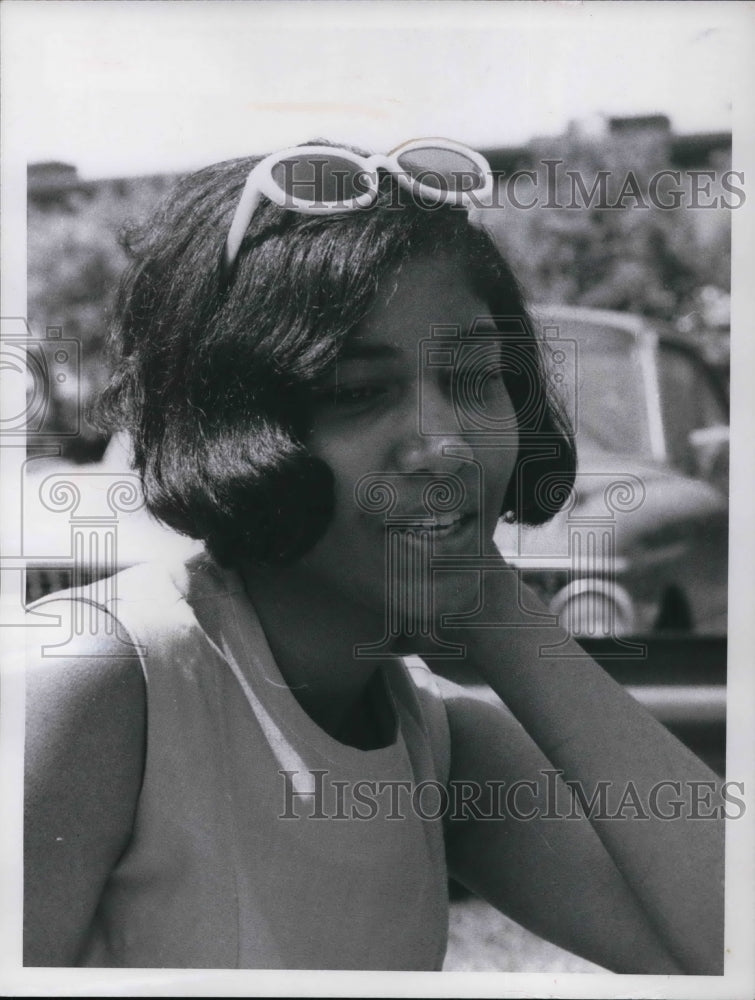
605,389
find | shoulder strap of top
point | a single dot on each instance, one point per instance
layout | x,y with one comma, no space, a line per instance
434,712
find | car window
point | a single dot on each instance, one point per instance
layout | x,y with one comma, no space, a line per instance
606,394
688,403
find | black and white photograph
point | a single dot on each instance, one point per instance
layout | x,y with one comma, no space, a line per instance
376,537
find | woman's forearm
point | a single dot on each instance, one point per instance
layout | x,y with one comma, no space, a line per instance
618,757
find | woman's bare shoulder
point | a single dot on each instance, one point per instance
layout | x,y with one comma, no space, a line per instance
79,669
84,756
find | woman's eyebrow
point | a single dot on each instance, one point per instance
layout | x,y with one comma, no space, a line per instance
355,351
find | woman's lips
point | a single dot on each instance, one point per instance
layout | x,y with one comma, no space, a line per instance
442,529
445,524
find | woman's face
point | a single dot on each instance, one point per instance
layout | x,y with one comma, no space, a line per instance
415,403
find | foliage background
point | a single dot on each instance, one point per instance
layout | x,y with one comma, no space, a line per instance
673,265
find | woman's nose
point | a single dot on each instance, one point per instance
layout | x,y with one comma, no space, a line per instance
429,439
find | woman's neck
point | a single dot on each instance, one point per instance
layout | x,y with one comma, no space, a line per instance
313,631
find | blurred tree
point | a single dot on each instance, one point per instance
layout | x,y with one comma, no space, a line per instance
74,263
608,244
639,257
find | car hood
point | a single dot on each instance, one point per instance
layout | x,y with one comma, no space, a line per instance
641,502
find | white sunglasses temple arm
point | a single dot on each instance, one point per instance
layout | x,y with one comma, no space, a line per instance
250,199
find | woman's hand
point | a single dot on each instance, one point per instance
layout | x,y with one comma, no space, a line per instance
589,728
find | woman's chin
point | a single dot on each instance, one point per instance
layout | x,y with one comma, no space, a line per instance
421,610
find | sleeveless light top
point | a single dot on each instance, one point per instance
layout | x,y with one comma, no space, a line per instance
260,841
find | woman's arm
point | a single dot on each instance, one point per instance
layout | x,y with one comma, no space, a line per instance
587,726
85,717
505,841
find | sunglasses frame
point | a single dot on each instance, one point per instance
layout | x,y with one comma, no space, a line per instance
261,182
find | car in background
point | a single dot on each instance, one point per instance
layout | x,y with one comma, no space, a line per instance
642,543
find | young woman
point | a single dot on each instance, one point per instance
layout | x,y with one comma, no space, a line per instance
330,378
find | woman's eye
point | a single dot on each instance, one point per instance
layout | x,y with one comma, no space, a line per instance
352,397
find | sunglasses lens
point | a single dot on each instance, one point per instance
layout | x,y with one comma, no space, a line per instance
444,169
318,178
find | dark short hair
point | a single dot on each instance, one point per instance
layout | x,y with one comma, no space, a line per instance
210,376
